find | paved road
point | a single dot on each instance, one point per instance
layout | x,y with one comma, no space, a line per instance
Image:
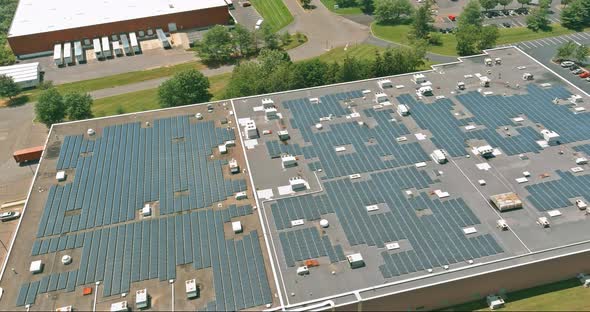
324,30
17,131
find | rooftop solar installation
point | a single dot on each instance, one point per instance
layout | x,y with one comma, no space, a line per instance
343,193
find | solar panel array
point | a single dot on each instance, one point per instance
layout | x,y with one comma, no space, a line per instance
344,131
129,166
307,244
557,193
495,112
116,173
584,148
276,148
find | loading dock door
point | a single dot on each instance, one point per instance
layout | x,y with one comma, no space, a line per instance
172,27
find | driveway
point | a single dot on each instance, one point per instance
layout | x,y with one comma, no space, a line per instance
323,29
17,131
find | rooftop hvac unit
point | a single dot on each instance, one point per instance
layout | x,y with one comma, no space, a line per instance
268,103
66,259
484,81
576,98
288,161
302,270
314,100
146,211
385,84
461,85
403,110
270,113
425,91
486,151
381,97
283,135
222,149
119,306
581,204
192,291
241,195
543,222
297,183
355,261
141,298
324,223
488,61
233,166
439,156
419,78
506,201
581,161
251,130
527,76
550,136
498,61
501,224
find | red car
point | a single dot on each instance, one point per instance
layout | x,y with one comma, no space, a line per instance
452,17
584,74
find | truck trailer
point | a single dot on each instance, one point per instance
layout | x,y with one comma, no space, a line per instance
28,154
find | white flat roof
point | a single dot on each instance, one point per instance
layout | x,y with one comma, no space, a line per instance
39,16
21,72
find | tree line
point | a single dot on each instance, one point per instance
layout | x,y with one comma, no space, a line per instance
7,9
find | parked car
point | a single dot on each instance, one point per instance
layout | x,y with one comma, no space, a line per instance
565,64
584,74
246,4
587,79
9,215
577,71
452,18
522,11
506,24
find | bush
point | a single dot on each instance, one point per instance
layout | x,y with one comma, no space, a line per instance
435,39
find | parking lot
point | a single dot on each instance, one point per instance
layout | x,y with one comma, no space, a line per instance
545,49
245,15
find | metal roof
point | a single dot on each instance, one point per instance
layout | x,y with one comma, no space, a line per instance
39,16
21,72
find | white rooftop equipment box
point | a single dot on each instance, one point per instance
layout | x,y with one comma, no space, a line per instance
146,211
141,298
314,100
270,113
502,224
527,76
222,149
581,204
237,227
233,166
192,291
439,156
251,130
576,98
498,61
60,176
267,103
419,78
297,183
543,222
36,267
488,61
581,161
381,97
403,110
425,91
484,81
241,195
283,135
385,84
288,161
461,85
302,270
486,151
550,136
355,260
119,306
57,55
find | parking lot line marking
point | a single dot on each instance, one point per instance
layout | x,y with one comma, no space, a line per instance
533,43
526,45
554,40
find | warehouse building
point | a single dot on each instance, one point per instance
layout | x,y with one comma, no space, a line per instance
38,25
314,199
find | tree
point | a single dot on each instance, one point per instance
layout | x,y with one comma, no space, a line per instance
50,107
421,20
186,87
488,4
538,19
524,2
391,11
488,35
6,56
471,15
572,16
78,105
378,65
271,59
308,74
243,40
285,38
581,53
217,45
306,3
270,38
504,3
565,51
367,6
8,88
566,2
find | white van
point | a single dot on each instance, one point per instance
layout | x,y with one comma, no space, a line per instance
258,24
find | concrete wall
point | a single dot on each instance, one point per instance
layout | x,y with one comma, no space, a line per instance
466,290
40,42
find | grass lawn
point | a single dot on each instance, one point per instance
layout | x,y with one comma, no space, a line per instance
350,10
296,40
274,12
398,34
147,99
568,295
118,80
360,51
